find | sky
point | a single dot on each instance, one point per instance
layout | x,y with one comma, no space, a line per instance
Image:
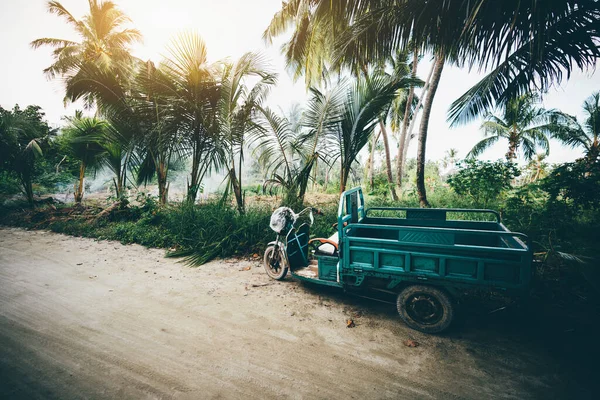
230,28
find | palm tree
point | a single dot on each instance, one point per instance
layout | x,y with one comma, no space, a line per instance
523,124
237,109
308,52
450,157
285,155
190,84
22,136
371,160
316,24
118,149
587,136
537,168
104,44
405,109
524,45
361,111
319,119
81,139
158,138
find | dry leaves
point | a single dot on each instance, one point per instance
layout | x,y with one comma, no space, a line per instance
411,343
350,323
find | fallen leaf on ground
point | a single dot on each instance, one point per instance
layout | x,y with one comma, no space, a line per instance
350,324
261,284
411,343
246,269
255,255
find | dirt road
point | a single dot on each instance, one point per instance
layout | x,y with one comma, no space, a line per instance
87,319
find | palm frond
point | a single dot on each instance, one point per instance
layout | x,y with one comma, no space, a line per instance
482,146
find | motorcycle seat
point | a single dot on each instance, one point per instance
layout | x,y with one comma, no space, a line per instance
328,248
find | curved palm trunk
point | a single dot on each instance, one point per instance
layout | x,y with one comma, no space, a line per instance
402,142
388,162
435,80
78,193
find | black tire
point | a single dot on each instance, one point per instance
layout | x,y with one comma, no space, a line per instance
275,263
425,308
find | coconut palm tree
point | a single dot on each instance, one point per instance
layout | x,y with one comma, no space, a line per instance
190,83
287,158
523,45
22,136
315,25
362,109
523,124
403,111
237,110
586,137
81,139
308,52
159,142
104,44
119,148
319,119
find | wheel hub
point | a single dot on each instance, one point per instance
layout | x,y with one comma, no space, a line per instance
424,308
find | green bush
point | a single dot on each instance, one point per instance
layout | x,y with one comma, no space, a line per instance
483,181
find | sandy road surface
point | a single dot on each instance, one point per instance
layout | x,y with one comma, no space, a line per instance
87,319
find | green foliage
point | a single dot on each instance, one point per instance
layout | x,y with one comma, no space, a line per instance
483,181
586,136
524,125
198,232
9,184
576,183
23,135
103,47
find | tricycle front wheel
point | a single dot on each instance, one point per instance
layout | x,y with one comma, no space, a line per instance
275,263
425,308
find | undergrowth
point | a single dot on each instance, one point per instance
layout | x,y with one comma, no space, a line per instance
199,232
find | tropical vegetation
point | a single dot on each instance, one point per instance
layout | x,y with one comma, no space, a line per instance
148,125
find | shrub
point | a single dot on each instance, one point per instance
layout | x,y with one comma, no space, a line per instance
483,181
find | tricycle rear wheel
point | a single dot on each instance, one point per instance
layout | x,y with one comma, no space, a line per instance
275,263
425,308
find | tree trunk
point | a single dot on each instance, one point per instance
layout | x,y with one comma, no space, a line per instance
409,134
435,80
402,143
78,193
163,186
388,162
369,162
343,178
316,172
513,145
593,154
27,187
192,184
237,190
371,168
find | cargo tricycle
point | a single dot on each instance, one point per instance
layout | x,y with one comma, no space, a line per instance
426,257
